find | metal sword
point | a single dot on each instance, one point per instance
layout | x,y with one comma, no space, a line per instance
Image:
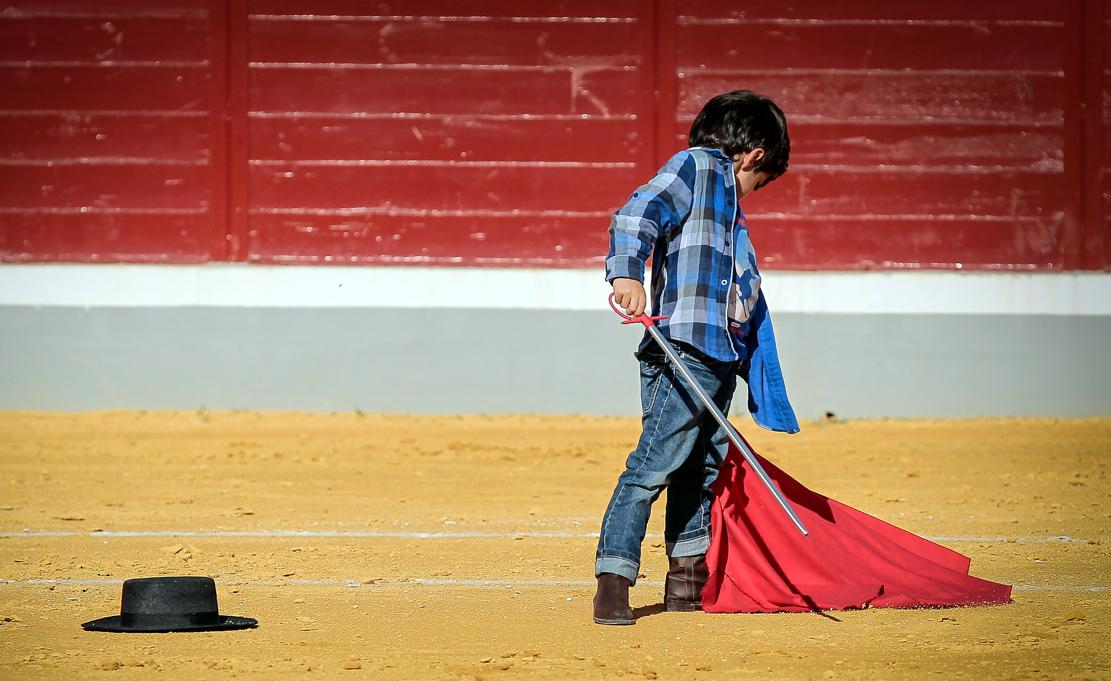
731,432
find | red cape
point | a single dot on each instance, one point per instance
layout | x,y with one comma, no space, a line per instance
759,561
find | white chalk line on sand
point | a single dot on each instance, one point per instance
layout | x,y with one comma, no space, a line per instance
311,534
464,583
462,534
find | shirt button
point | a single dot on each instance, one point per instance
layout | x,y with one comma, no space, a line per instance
724,282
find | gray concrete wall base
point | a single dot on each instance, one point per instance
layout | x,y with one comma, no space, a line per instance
497,361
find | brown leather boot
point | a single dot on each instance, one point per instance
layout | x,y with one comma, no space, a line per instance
685,578
611,603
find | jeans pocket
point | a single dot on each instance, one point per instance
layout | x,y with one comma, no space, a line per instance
649,385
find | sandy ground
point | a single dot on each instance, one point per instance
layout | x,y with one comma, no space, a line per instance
461,548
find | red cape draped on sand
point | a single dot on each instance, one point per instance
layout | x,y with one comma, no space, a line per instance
760,562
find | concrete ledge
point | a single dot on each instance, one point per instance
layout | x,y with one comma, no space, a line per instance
259,286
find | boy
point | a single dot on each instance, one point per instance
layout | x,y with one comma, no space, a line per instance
705,280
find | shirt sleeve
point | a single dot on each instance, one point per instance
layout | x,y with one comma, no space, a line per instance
655,208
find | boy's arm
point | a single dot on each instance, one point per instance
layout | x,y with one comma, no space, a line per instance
653,209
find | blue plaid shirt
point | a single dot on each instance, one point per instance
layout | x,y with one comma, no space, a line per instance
685,216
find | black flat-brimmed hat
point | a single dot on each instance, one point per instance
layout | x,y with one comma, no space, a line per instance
160,604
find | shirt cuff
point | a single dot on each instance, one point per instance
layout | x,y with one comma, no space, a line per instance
624,266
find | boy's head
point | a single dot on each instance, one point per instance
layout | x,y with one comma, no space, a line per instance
740,123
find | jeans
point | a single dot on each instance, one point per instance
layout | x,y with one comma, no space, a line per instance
681,447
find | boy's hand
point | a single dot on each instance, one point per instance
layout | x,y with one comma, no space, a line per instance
629,294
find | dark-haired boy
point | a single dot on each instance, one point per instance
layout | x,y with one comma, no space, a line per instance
705,280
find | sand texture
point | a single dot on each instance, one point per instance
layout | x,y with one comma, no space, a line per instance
461,548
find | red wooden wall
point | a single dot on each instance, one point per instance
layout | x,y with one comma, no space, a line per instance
926,133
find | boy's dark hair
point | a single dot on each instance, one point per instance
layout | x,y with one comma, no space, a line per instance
738,122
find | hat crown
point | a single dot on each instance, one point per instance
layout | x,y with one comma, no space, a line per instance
169,596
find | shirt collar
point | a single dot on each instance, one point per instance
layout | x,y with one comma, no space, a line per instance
715,152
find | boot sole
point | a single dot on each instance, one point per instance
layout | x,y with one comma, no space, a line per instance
598,620
682,606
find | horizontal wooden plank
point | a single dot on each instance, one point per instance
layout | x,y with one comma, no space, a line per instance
912,194
576,9
905,10
443,90
909,146
522,241
607,92
914,144
506,240
1011,98
900,46
455,188
147,185
84,136
907,243
784,244
106,8
433,41
457,138
120,39
105,237
83,88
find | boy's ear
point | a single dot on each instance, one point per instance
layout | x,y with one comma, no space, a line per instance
748,161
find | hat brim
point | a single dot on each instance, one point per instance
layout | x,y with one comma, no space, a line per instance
115,624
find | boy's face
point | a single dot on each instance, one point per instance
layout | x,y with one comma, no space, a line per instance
748,178
748,181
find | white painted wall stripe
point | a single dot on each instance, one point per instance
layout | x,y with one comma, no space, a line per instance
265,286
